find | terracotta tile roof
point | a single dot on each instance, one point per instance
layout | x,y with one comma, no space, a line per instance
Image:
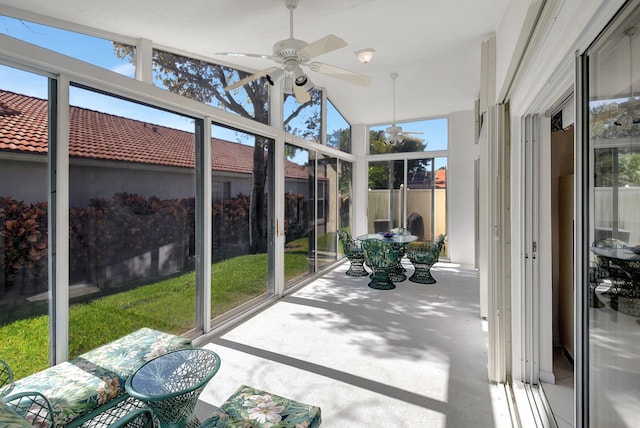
441,179
96,135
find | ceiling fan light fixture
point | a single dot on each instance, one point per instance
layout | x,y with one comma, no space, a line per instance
301,80
304,82
272,78
365,55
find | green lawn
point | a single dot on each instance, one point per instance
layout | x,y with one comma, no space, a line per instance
167,305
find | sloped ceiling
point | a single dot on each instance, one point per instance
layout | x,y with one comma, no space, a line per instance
434,45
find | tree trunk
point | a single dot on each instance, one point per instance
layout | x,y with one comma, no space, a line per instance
257,208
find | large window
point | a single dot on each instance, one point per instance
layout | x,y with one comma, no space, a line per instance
405,190
205,82
135,192
86,48
131,220
338,129
612,250
422,135
304,120
409,193
239,217
24,228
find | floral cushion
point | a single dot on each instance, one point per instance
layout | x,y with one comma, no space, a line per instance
251,408
10,419
77,387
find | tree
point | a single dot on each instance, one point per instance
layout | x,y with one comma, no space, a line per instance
203,81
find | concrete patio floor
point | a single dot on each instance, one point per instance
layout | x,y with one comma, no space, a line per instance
415,356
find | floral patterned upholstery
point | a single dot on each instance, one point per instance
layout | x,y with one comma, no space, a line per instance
80,386
251,408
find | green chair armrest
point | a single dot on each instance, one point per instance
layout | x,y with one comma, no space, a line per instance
33,407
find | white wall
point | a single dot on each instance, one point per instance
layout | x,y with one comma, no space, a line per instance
460,184
544,75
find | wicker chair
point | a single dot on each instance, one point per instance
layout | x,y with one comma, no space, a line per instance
31,406
6,378
353,251
141,418
382,258
624,275
423,258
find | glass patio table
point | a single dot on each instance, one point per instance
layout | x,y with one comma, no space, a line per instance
400,242
171,383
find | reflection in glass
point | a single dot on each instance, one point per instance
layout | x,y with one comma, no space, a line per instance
345,186
326,211
24,229
299,209
338,129
614,233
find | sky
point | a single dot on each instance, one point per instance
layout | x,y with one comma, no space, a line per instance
100,52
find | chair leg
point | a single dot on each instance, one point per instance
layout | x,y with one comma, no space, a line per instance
422,274
397,273
357,267
380,280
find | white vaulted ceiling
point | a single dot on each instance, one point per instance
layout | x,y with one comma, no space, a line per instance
434,45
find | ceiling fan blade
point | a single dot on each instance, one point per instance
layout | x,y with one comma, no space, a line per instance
412,132
302,96
250,78
321,46
263,56
341,73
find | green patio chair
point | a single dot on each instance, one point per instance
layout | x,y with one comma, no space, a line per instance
141,418
33,407
30,405
423,258
353,251
6,378
382,258
623,274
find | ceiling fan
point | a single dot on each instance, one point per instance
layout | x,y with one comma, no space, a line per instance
395,132
291,54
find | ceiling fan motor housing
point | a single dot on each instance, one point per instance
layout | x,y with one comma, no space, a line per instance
288,49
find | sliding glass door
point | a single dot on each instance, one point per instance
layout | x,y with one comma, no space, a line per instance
610,247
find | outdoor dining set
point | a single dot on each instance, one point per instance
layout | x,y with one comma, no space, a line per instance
383,253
